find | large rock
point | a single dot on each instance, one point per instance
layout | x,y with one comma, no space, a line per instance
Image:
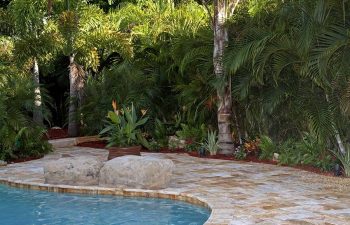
3,163
73,171
175,142
137,172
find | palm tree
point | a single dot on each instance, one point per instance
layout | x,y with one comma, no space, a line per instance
296,64
223,9
34,41
170,38
19,136
87,31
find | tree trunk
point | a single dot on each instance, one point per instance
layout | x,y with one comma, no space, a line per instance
37,112
238,127
73,128
224,113
341,147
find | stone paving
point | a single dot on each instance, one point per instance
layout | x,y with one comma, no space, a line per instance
237,192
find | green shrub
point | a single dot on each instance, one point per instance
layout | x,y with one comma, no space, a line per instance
314,152
211,144
19,136
28,142
154,146
267,147
123,82
173,145
289,154
307,151
193,133
192,146
240,154
344,160
160,133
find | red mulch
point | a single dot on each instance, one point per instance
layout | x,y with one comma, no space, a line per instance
251,158
19,160
166,150
217,156
57,133
93,144
313,170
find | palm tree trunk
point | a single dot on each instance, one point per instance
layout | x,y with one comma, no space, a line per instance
341,147
238,127
73,128
224,113
37,112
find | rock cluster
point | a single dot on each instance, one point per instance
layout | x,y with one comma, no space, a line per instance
126,171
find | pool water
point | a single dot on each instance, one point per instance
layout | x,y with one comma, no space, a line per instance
27,207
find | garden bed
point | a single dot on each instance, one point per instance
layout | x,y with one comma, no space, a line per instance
255,159
51,134
56,133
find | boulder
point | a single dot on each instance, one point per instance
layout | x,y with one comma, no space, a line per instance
275,157
137,172
73,171
3,163
175,142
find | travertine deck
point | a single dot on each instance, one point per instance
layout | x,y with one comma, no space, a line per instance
237,193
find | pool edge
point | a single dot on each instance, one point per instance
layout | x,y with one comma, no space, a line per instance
125,192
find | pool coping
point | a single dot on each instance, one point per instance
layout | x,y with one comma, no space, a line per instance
98,190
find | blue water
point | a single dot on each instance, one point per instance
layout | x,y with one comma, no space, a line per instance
27,207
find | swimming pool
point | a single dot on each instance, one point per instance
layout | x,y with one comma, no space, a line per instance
22,207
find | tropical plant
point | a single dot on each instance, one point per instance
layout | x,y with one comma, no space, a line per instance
252,146
314,152
89,35
35,42
345,161
272,67
192,133
156,77
288,154
6,23
124,81
153,146
240,154
211,143
191,146
160,133
123,127
267,147
173,145
19,136
296,72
